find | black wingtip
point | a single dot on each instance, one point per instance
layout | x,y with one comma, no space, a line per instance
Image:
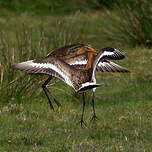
118,55
109,49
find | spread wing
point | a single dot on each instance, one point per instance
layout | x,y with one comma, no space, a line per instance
50,65
111,53
108,66
66,50
101,56
103,65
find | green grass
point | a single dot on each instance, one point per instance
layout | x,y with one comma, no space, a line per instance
38,7
34,127
51,7
131,22
123,104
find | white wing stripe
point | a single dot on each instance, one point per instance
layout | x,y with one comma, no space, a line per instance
106,53
82,62
51,66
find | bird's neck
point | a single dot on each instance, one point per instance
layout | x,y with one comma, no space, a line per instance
90,57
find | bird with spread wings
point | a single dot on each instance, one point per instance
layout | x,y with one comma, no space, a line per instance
76,65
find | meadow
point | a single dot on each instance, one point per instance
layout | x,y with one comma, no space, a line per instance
123,103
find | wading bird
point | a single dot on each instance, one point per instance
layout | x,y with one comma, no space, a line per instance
63,63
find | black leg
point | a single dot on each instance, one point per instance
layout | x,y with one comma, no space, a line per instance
94,117
57,102
82,121
45,91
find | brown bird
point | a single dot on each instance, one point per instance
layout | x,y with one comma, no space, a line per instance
62,63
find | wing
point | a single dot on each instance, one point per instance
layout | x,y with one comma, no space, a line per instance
103,65
65,50
51,66
111,53
108,66
106,54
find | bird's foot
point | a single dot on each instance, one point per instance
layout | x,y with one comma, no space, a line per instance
94,118
82,123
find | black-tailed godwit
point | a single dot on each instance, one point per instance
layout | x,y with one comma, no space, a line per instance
61,64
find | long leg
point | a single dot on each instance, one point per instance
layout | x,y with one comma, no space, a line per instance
94,117
82,121
57,102
45,90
